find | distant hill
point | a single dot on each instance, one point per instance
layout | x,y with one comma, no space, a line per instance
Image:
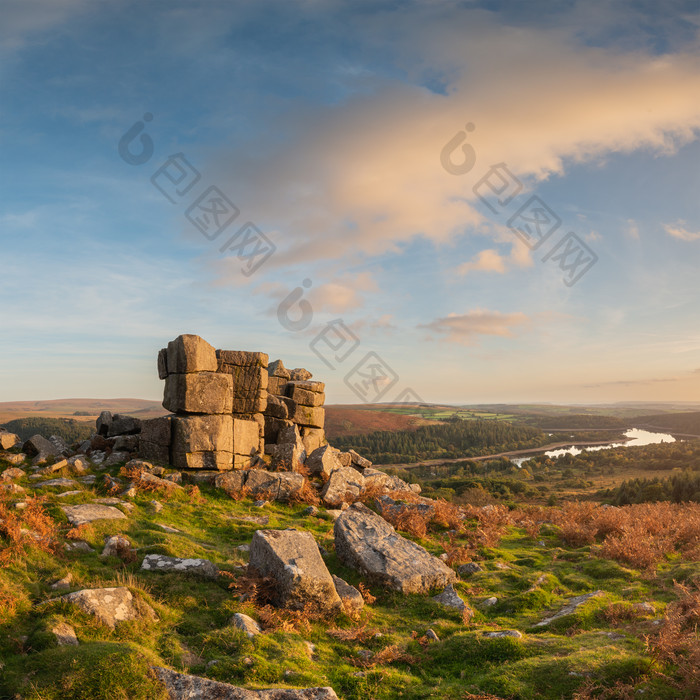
80,409
342,420
687,423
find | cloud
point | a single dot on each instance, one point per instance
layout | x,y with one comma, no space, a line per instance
632,229
466,328
490,260
343,295
363,176
679,230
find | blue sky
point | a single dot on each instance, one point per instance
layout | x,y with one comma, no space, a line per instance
323,122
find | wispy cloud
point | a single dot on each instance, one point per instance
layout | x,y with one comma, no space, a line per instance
679,230
466,328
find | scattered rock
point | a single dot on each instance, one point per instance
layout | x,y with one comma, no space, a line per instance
63,584
56,483
503,633
323,460
168,528
56,466
351,598
66,494
181,686
88,480
358,461
110,605
116,458
570,607
116,546
469,568
345,484
13,458
366,542
430,634
292,560
310,511
645,608
276,486
8,440
247,624
156,505
159,562
89,512
11,488
489,602
449,599
65,634
78,546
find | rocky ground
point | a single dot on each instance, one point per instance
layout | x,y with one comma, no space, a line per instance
129,580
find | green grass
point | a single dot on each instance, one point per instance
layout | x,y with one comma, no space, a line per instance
193,633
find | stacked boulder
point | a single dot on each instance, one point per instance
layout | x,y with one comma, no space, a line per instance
213,396
234,411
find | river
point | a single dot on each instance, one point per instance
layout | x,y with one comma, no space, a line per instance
635,438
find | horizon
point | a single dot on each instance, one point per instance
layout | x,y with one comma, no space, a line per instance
469,198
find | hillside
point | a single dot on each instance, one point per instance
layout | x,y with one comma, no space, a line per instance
80,409
515,638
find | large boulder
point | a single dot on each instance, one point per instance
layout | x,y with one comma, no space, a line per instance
40,449
380,482
369,544
202,442
181,686
110,605
291,558
345,485
199,392
189,353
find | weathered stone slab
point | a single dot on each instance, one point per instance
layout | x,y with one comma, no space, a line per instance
181,686
306,415
369,544
300,375
276,385
202,442
246,437
155,439
305,397
110,605
11,473
256,403
190,353
89,512
200,392
123,425
163,363
273,427
276,408
358,461
306,385
57,483
344,485
200,567
380,482
292,559
64,633
242,358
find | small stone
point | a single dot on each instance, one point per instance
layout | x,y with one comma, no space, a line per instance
365,654
63,584
156,505
89,512
503,633
247,624
469,568
449,599
260,504
56,483
78,546
311,511
65,634
110,605
167,528
116,546
489,602
351,598
12,473
430,634
56,466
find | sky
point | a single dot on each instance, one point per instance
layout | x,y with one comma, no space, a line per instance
459,202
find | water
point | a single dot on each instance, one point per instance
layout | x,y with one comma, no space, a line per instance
636,437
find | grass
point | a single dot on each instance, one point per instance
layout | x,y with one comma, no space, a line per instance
533,561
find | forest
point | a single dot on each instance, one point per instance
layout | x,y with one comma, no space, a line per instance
451,439
678,488
67,428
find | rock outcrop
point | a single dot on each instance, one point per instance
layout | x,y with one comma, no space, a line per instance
369,544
